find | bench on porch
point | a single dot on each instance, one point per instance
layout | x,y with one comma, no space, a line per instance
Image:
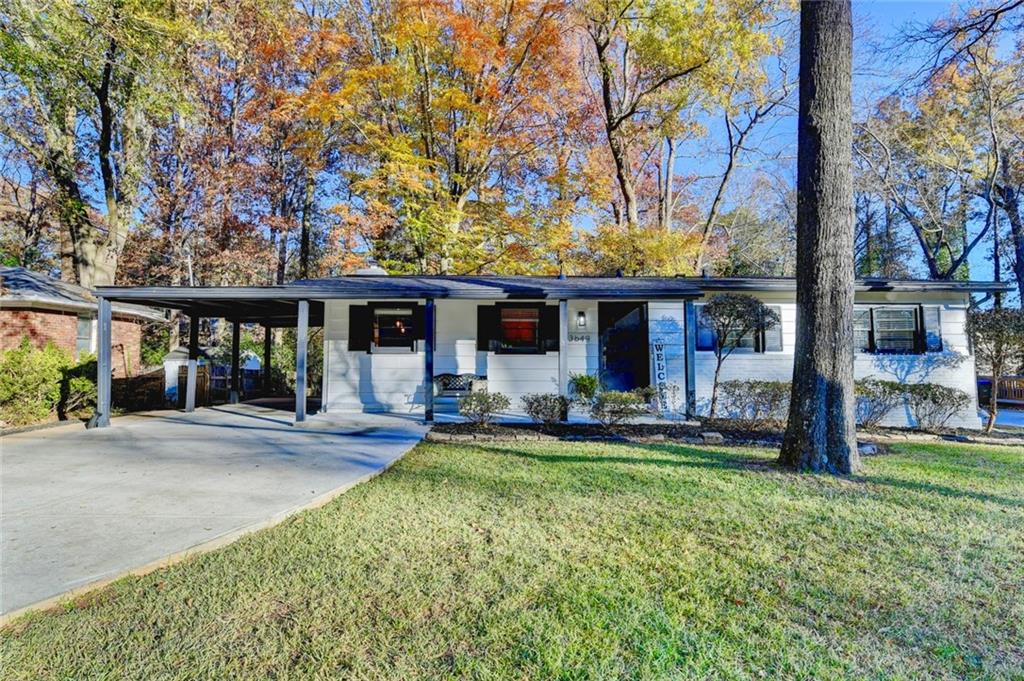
458,385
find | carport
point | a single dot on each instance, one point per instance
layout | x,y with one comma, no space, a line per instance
271,307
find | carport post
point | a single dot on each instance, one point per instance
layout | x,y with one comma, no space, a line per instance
563,348
236,332
193,358
268,343
428,360
301,341
103,367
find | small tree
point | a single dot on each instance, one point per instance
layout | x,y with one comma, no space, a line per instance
732,316
997,337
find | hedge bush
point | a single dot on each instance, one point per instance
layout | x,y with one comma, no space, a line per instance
78,389
36,384
546,408
584,388
876,398
613,407
482,407
756,404
933,405
30,382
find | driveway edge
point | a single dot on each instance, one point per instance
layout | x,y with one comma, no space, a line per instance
199,549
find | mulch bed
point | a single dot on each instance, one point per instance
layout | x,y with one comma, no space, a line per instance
694,432
687,432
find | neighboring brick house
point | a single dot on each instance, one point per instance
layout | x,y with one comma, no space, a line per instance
47,309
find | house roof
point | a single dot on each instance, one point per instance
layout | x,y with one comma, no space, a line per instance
276,305
863,285
24,288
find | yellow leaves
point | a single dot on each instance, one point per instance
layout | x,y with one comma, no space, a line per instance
644,251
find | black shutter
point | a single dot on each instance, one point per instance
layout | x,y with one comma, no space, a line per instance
487,331
549,328
360,328
419,321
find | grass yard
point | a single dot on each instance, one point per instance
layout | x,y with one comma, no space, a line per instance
580,561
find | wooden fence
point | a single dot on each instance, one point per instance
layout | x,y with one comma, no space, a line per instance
203,394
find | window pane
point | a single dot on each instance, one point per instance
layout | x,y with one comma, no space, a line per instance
746,341
83,336
393,327
705,334
932,326
520,328
895,329
862,329
773,334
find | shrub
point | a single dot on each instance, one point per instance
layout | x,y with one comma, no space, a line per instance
481,407
78,389
733,316
875,399
613,407
584,388
756,404
30,382
933,405
546,408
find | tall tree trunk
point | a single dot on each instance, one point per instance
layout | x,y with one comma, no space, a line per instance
667,190
309,192
1010,202
613,121
821,433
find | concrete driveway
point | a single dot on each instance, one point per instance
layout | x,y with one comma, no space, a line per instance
81,506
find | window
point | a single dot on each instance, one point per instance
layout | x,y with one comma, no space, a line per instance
84,335
766,340
394,327
520,329
894,329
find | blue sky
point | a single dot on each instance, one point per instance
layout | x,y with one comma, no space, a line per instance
877,23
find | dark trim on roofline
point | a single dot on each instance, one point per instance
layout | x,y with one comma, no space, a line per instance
357,287
862,285
295,293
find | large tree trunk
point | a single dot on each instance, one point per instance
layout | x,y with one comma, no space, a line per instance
1009,197
821,433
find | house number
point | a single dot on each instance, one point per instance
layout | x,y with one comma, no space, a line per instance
579,337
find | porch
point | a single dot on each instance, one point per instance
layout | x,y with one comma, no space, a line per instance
369,365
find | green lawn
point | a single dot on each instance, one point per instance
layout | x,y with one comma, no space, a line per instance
575,561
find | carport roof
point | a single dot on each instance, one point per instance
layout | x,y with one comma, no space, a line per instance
277,305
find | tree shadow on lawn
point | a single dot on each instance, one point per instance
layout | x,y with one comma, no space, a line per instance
943,490
675,456
681,456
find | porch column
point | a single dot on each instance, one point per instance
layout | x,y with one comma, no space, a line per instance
301,343
193,359
429,323
690,342
563,348
268,342
103,364
236,333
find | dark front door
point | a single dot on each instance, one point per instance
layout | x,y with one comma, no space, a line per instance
625,359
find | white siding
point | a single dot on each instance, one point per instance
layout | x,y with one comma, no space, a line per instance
953,367
393,381
360,381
